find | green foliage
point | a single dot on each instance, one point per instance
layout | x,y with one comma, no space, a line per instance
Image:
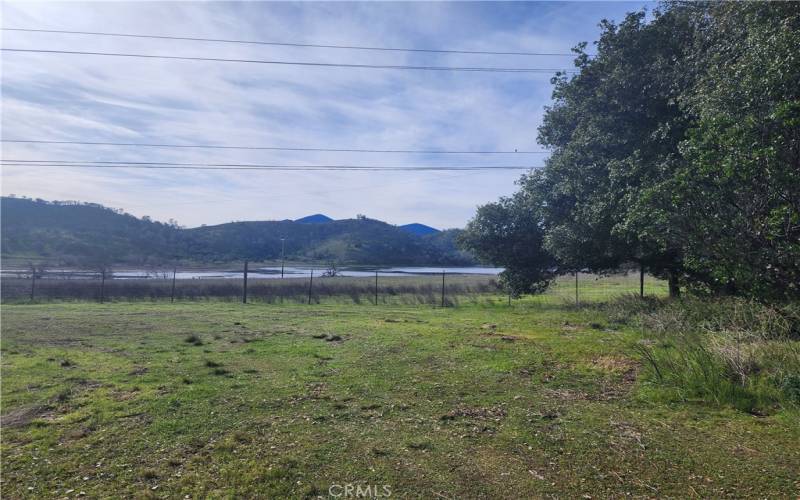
727,351
509,233
678,147
739,188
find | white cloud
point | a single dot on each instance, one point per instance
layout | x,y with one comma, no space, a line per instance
119,99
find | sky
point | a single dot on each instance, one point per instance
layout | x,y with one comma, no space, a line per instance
65,97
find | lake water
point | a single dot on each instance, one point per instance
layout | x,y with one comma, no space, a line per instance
305,272
262,272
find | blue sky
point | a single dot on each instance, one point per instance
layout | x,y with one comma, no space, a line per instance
83,98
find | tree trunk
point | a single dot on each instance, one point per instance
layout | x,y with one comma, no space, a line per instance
674,289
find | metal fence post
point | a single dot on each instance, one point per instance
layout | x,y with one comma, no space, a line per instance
641,280
244,285
310,286
443,272
102,285
172,292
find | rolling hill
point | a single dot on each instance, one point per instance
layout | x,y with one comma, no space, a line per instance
70,233
418,229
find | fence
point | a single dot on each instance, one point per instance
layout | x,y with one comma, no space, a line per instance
433,289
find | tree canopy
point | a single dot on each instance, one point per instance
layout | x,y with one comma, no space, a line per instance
676,147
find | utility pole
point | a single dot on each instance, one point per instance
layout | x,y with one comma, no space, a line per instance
376,287
576,287
172,293
283,254
310,285
244,285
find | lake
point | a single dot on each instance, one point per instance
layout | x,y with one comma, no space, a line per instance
270,272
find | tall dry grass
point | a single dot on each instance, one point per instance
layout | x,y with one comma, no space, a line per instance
726,351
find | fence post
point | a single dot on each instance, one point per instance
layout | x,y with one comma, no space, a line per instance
244,285
102,285
376,288
310,285
576,288
641,280
172,293
443,272
33,283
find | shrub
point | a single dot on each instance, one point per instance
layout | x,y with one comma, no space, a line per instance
724,351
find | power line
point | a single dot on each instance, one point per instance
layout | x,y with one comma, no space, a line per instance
288,44
290,63
268,148
249,166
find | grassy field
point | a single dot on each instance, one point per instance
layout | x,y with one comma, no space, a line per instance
222,399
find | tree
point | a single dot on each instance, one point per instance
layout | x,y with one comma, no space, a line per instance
739,188
510,233
677,147
614,130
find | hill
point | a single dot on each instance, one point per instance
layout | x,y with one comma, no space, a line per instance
314,219
418,229
87,234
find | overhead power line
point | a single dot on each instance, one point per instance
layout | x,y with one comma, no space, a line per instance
290,63
250,166
288,44
267,148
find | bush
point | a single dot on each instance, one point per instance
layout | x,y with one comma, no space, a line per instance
724,351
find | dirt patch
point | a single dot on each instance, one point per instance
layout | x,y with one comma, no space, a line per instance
626,433
565,394
139,370
23,415
614,364
495,413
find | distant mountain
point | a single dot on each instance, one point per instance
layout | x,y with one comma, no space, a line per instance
87,234
314,219
418,229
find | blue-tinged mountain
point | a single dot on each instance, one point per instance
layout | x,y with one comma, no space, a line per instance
314,219
79,234
419,229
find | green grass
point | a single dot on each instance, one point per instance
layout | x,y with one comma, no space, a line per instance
484,400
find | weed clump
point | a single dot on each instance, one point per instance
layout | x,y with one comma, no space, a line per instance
727,351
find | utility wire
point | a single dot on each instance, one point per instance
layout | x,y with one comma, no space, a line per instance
291,63
244,166
268,148
287,44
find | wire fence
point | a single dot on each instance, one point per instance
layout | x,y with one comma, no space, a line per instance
434,289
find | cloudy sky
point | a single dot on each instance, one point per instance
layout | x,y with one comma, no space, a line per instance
109,99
